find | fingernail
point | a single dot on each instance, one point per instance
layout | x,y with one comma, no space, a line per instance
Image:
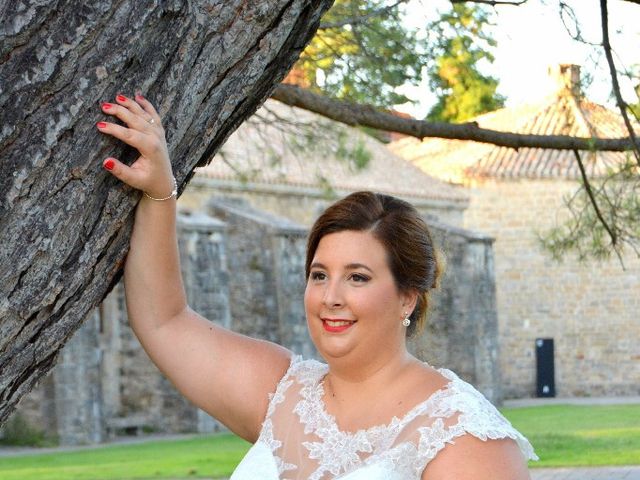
109,163
101,125
121,98
106,106
139,95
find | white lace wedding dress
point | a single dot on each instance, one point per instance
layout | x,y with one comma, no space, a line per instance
300,440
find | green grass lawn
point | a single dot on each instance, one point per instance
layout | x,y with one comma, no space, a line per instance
570,435
561,435
207,456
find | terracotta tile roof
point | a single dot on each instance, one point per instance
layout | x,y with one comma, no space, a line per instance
562,113
282,145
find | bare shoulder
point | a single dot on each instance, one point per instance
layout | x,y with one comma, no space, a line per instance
424,380
472,458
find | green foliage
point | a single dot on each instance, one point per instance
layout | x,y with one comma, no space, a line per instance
328,192
634,75
617,195
461,44
360,156
307,141
365,52
354,152
365,60
17,432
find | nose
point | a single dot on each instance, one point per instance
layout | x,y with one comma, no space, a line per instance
332,297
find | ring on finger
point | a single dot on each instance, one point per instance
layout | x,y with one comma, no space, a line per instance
151,120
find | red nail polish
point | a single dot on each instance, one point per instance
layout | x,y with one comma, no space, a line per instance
101,125
139,95
109,164
121,98
106,106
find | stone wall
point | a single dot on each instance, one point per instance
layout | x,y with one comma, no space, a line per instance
145,392
290,249
205,273
462,330
590,310
204,262
78,389
68,403
266,254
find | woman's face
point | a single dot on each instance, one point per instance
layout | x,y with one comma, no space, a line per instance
352,303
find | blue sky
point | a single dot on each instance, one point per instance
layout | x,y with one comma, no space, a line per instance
532,36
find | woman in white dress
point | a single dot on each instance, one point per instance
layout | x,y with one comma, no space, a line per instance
373,411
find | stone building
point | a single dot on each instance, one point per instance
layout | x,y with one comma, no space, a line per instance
589,309
242,231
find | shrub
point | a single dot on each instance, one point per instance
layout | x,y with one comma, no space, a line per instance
18,432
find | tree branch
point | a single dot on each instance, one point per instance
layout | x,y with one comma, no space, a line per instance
566,10
493,3
368,116
360,19
592,199
604,15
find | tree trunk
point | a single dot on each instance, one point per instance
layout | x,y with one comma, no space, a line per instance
64,222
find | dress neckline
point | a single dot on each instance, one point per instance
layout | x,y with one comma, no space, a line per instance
315,392
341,452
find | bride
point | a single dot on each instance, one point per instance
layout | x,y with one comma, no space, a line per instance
373,411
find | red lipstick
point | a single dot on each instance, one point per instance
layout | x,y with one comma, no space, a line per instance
336,325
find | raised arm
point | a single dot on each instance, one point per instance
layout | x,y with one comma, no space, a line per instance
226,374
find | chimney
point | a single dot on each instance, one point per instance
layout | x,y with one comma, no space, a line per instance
566,78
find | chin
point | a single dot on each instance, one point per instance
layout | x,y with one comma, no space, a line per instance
332,347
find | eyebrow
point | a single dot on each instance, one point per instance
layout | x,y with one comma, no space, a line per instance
349,266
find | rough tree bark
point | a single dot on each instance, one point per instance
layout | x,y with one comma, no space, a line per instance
64,222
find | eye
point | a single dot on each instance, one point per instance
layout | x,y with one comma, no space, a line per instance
359,278
317,276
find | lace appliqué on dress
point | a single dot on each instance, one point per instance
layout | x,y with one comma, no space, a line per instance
476,416
339,453
266,433
403,448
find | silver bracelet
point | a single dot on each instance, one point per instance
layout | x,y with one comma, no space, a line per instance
174,193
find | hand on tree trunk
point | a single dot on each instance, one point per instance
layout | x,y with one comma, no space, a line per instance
151,172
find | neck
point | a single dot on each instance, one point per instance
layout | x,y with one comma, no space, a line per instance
345,377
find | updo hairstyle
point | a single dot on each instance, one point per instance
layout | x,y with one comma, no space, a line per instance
403,233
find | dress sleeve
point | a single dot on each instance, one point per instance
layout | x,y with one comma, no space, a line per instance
466,411
487,423
268,436
278,396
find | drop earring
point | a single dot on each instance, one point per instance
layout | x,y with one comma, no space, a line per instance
406,322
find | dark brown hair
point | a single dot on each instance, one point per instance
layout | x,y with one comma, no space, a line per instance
401,230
